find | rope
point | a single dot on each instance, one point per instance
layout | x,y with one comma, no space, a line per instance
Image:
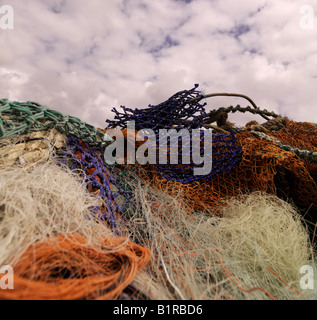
224,94
303,154
65,268
263,113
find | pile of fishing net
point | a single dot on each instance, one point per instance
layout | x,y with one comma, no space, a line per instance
74,226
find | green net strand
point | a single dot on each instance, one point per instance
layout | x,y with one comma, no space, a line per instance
303,154
25,117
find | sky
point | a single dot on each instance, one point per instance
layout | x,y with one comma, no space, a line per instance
84,58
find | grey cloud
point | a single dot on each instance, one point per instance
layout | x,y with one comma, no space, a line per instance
84,58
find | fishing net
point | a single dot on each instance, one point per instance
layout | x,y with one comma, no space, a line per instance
173,113
156,229
181,111
264,167
98,178
42,131
295,174
278,156
253,251
25,117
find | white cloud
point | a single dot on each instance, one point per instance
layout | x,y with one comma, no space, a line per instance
84,58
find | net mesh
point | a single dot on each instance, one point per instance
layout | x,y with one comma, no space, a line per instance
99,179
242,161
181,111
173,113
278,157
25,117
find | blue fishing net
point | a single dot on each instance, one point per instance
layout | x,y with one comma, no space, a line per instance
99,178
182,111
177,112
224,156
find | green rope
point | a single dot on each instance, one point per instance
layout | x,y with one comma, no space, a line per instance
303,154
263,113
225,94
26,117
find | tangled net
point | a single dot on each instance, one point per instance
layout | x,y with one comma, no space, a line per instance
253,251
76,227
173,113
65,268
181,111
278,156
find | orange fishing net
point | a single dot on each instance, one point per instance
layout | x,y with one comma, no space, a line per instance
264,167
68,269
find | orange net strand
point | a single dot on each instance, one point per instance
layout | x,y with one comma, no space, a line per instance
242,287
67,269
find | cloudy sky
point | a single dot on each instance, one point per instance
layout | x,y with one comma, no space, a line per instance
85,57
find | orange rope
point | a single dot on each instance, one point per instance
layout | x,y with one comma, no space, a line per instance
67,269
